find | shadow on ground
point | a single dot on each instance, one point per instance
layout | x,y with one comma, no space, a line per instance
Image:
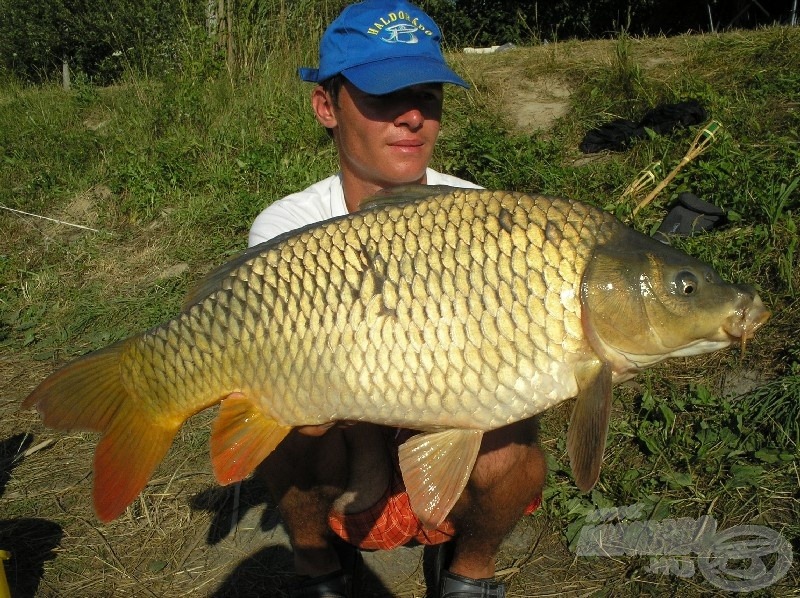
268,570
30,542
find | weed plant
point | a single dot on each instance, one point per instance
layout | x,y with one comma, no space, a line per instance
170,171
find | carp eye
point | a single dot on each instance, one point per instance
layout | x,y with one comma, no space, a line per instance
686,283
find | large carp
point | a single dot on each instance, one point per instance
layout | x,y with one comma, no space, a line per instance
450,311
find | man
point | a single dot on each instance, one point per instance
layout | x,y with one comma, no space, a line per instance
379,93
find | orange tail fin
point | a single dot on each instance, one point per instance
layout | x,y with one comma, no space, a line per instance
88,394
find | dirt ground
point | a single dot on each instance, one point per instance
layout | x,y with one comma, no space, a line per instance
186,536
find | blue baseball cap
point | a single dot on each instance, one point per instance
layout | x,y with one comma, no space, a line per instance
381,46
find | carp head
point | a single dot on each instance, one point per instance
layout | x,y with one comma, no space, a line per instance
644,301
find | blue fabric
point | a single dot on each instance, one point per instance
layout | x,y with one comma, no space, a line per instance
381,46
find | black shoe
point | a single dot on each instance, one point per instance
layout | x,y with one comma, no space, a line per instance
333,585
339,584
688,216
442,555
458,586
450,585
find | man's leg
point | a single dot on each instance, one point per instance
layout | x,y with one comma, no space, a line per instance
315,467
508,475
305,474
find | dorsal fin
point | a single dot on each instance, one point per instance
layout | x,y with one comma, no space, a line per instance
212,281
402,194
394,195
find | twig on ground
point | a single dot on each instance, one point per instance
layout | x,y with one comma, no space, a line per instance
34,449
94,230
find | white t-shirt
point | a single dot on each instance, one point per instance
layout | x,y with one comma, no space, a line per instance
321,201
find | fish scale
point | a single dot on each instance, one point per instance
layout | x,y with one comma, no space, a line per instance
444,310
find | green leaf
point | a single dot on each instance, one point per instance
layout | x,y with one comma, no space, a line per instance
669,415
156,566
677,480
773,455
744,475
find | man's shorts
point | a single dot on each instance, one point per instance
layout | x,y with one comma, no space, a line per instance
390,522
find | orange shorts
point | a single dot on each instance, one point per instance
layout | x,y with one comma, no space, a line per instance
390,522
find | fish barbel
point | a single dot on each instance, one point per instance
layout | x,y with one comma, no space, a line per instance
450,311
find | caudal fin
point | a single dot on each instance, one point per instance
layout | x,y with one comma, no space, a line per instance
88,394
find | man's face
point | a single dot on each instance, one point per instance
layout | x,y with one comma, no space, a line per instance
386,140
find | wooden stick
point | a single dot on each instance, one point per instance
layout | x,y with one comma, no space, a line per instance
94,230
700,144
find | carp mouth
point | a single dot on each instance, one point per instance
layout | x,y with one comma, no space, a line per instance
742,325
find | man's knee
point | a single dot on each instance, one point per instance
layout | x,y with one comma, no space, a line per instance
510,454
306,461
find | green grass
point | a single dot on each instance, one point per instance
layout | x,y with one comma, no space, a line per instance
172,171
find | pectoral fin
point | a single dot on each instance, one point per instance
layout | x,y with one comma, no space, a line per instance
241,438
436,468
588,426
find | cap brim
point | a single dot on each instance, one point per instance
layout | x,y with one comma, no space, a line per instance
385,76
